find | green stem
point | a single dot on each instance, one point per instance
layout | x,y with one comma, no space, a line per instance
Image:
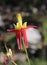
13,62
8,57
26,52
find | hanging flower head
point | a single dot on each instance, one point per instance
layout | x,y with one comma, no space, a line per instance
20,30
9,53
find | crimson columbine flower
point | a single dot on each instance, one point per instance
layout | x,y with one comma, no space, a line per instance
20,30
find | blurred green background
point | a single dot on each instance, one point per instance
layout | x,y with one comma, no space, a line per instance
32,11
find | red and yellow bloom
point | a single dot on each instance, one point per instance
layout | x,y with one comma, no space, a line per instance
20,30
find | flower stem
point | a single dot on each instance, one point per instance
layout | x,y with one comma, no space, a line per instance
8,57
26,51
13,62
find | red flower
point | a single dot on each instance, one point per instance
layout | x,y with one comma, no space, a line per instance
19,34
20,30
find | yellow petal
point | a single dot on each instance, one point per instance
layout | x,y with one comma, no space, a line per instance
15,26
24,24
19,17
18,24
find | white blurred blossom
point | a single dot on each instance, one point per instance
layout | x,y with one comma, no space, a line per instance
1,21
33,38
34,10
